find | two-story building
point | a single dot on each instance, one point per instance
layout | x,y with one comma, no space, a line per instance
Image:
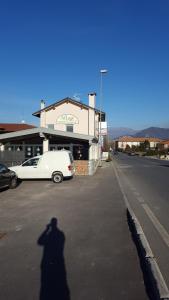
66,124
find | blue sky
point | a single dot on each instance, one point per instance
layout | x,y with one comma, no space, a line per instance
53,49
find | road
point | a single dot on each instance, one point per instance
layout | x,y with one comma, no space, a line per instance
99,261
145,182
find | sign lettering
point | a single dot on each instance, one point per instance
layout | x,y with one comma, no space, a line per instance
67,119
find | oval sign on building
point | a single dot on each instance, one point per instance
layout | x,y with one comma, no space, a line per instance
67,119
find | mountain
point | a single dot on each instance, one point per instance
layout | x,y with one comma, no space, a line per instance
157,132
116,132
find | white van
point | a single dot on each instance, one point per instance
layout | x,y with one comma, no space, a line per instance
52,164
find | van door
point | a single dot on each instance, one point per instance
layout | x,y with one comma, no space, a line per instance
29,169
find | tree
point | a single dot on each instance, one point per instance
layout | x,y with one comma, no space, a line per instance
144,146
127,149
147,145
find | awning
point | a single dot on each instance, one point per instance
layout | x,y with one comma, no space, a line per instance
44,132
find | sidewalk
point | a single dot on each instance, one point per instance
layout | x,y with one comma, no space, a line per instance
100,259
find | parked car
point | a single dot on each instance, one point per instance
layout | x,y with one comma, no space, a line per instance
8,178
132,154
53,165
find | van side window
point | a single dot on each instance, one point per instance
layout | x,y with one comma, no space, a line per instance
31,162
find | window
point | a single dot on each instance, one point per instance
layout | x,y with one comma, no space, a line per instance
31,162
69,128
50,126
102,117
3,168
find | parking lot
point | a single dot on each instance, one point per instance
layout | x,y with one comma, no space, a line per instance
88,216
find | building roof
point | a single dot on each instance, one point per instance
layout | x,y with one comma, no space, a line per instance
66,100
165,142
138,139
11,127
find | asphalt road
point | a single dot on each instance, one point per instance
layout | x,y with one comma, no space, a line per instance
88,254
145,182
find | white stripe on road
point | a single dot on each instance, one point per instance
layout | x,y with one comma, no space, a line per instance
162,231
121,187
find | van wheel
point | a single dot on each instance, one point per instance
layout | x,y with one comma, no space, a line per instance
13,183
57,177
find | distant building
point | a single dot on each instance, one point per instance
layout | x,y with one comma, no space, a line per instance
136,141
164,145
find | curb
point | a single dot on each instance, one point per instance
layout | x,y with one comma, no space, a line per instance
158,285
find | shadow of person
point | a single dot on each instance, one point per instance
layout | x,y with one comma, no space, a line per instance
53,273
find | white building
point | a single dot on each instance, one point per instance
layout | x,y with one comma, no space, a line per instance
67,124
136,141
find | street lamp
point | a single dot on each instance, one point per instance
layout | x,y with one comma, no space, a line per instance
102,72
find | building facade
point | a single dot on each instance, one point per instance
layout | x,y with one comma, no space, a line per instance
136,141
66,124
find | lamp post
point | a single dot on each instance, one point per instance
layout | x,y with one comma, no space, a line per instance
102,72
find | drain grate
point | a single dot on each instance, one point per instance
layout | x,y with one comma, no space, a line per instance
2,234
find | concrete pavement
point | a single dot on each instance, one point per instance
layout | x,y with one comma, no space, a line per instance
99,261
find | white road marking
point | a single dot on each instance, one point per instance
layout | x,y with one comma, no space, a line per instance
136,193
162,231
18,227
125,166
132,188
121,187
140,199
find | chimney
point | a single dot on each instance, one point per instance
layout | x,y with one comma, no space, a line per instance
92,99
42,104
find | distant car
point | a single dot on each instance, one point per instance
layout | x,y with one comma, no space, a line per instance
8,178
132,153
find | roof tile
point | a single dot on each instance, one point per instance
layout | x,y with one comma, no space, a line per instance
11,127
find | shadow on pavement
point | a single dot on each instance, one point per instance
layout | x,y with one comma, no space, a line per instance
53,273
164,166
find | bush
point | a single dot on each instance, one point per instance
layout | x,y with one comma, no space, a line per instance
127,149
151,153
162,152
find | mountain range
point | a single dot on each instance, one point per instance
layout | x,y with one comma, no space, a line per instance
157,132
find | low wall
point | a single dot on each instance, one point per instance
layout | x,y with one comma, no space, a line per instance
81,167
85,167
